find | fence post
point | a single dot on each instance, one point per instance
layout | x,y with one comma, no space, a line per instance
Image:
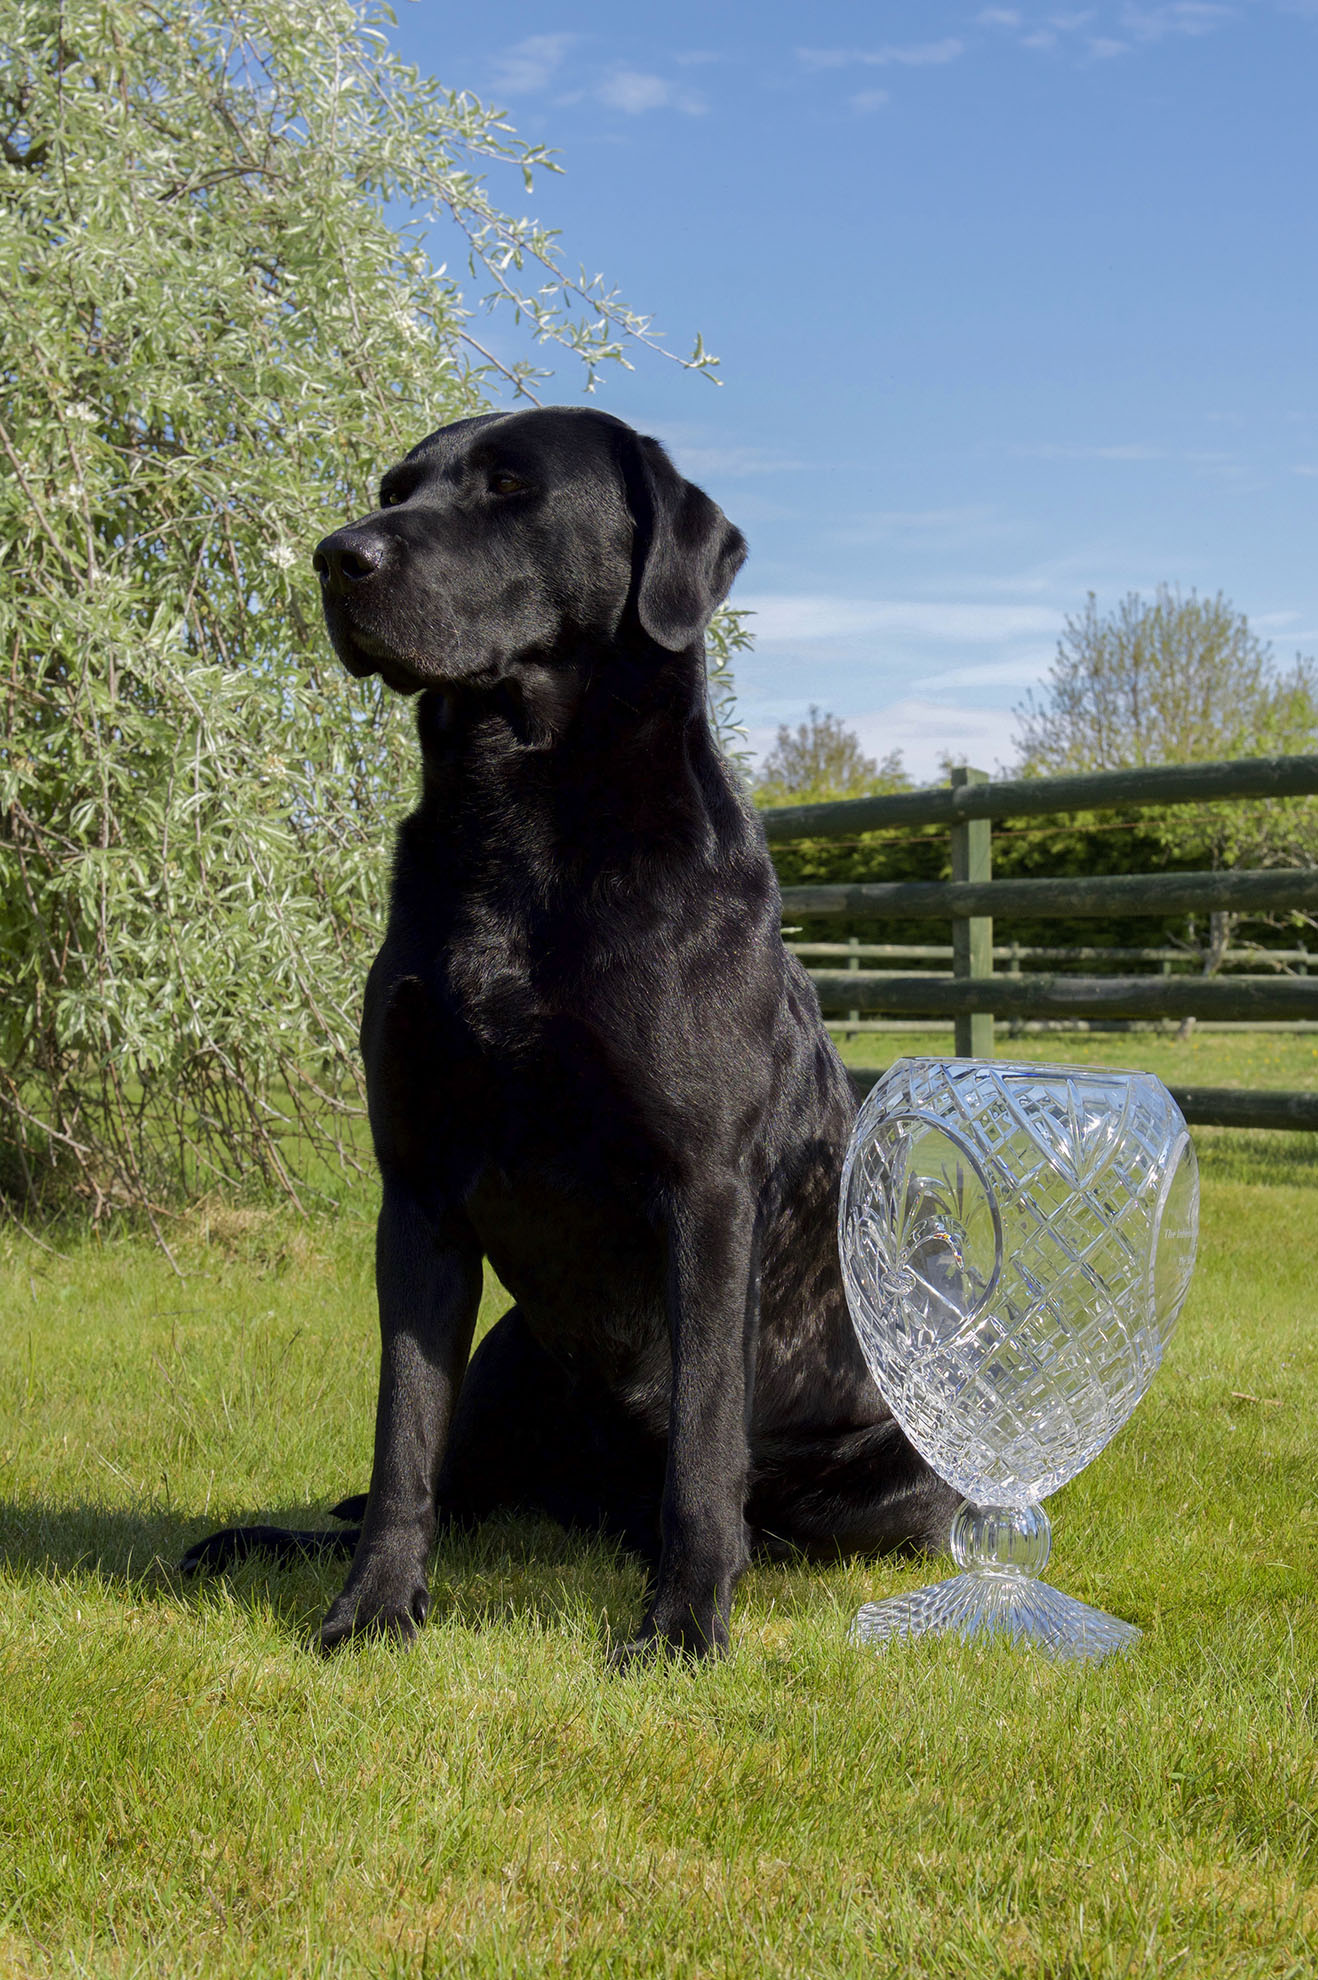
972,935
854,965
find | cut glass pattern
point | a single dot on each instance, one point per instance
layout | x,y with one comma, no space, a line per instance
1017,1242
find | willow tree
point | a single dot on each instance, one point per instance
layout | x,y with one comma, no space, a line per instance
215,332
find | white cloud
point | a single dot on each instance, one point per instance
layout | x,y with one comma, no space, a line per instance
1007,17
921,55
1128,451
923,730
1288,626
797,617
1021,581
866,100
531,65
923,675
1305,469
1179,17
534,65
635,91
914,55
1023,668
628,89
1138,23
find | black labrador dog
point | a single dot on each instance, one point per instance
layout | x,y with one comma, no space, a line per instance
590,1059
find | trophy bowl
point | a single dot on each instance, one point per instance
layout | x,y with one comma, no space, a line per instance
1017,1241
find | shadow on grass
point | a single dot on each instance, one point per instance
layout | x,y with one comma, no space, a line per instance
511,1570
1257,1155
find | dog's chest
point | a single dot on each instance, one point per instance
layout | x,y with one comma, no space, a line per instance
477,1062
587,1274
516,1095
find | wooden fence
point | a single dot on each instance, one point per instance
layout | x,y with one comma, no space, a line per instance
973,996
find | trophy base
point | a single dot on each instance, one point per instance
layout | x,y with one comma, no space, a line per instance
984,1604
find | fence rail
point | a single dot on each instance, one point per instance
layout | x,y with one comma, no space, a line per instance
1019,952
1270,891
1236,998
1041,797
973,996
1213,1106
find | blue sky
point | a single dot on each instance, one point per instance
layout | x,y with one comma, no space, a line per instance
1012,302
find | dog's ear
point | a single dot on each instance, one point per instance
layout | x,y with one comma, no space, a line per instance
687,552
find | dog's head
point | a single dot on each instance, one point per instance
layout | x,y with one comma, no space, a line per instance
520,543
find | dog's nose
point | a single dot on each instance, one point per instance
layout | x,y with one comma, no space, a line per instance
346,559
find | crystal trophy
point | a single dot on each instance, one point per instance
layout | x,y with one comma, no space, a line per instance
1017,1242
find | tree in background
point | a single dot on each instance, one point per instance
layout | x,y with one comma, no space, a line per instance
214,338
1172,680
821,759
1180,680
1116,696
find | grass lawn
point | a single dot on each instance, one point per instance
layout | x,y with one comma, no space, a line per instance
186,1789
1205,1058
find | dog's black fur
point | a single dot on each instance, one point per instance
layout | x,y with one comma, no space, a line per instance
589,1058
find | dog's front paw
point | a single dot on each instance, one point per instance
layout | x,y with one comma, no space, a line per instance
395,1613
690,1638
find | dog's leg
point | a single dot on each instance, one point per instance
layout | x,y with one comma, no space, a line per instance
281,1544
429,1284
713,1295
526,1435
860,1492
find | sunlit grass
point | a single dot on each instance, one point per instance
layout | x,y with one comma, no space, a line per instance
1204,1058
187,1789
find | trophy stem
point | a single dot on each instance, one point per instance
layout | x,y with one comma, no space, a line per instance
1001,1551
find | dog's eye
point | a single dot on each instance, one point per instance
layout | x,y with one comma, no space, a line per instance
504,482
391,500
